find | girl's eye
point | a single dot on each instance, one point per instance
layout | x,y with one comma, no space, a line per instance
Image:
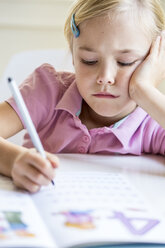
89,62
125,64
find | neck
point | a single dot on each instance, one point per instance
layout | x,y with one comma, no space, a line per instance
93,120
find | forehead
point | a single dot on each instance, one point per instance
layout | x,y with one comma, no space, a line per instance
121,32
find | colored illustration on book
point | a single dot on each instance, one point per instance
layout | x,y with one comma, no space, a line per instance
87,219
12,224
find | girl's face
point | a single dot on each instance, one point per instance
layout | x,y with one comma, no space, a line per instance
104,56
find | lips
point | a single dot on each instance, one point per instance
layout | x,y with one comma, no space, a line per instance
105,95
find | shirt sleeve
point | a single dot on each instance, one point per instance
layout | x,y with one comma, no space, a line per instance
41,92
154,138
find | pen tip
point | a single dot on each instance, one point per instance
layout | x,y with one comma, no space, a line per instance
9,79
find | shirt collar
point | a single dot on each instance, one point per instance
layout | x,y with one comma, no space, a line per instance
124,129
118,123
71,101
127,129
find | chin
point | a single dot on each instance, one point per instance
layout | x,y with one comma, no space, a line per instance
107,113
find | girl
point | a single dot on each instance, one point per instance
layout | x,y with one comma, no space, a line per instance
110,105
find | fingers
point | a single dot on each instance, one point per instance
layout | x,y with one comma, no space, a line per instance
29,178
25,183
41,164
151,71
35,175
54,160
158,45
155,47
162,44
31,171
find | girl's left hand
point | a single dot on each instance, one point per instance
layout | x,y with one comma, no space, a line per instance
152,70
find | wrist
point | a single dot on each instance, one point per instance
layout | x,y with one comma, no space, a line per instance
151,100
8,153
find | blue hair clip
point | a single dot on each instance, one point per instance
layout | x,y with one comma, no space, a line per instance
75,29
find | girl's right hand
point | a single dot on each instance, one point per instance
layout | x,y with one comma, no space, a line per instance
151,71
30,171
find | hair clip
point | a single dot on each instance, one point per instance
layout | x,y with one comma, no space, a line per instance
75,29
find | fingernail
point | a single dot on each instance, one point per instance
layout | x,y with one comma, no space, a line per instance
54,165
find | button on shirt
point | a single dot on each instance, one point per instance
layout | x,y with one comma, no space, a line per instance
55,104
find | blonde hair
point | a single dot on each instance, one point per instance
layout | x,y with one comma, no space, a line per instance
86,9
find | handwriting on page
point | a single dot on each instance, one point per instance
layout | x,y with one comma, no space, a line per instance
91,200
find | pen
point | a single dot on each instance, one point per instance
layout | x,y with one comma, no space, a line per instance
26,117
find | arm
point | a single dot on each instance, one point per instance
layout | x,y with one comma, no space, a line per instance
10,124
144,81
152,101
27,168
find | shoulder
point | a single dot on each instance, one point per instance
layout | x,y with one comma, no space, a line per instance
42,90
45,82
49,74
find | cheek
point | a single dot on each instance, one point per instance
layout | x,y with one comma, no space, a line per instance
124,76
84,76
82,81
80,71
122,80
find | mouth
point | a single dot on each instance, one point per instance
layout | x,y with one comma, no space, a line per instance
105,95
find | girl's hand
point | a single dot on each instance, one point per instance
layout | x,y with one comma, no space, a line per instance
30,171
152,70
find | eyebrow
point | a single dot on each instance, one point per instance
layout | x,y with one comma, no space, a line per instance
119,51
87,49
136,53
127,51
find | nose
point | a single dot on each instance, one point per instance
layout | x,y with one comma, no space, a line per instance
106,75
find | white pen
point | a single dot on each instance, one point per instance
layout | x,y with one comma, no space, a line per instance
26,117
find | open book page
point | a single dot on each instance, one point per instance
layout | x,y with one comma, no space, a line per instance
20,222
97,206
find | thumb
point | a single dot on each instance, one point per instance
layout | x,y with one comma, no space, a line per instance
53,159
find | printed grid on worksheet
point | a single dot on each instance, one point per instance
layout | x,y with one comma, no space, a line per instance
95,189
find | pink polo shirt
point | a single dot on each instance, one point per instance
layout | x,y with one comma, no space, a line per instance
54,104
